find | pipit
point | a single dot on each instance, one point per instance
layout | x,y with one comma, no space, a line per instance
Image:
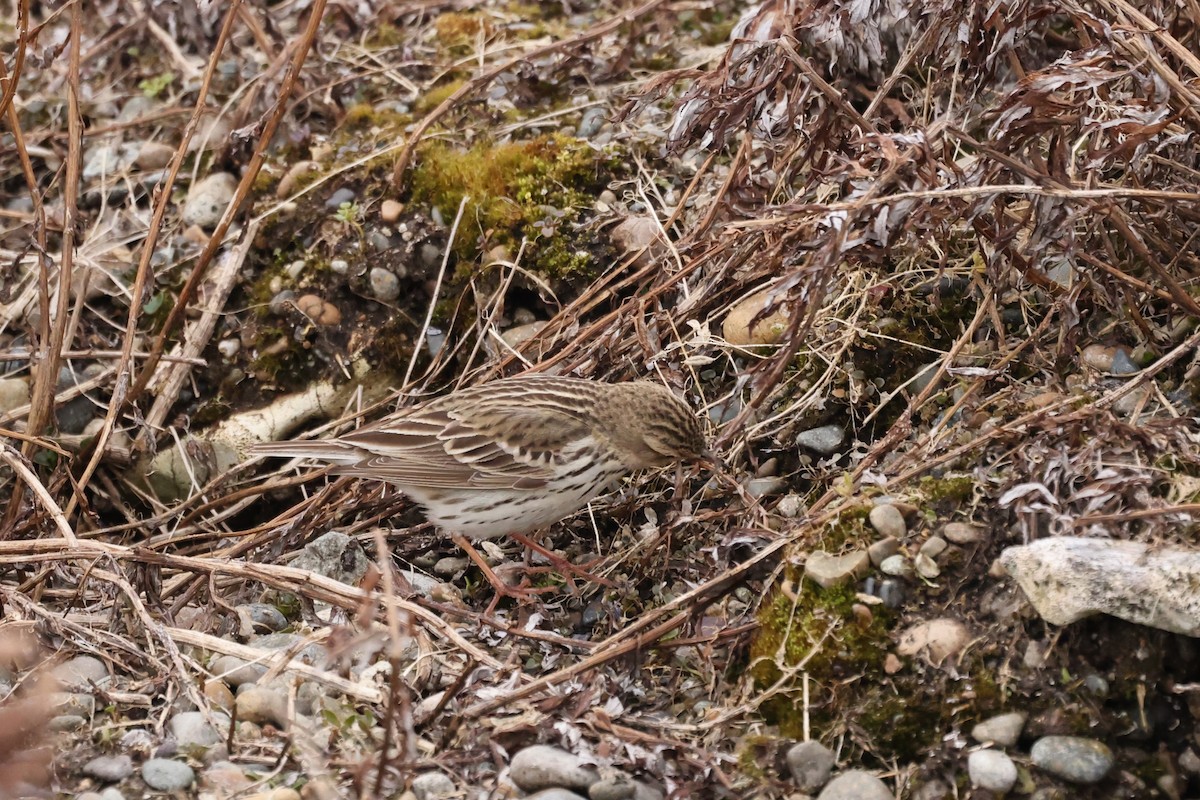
514,456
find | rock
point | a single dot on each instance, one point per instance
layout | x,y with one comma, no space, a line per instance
192,729
759,488
81,672
613,787
824,440
641,235
433,785
542,766
449,566
110,769
926,567
554,794
888,521
738,330
1189,762
235,671
934,640
66,722
519,335
385,285
78,703
1072,758
810,764
855,785
1067,578
1098,357
883,549
1003,729
166,775
291,179
933,547
991,770
321,312
828,570
153,155
897,566
1122,364
225,779
390,211
281,793
932,789
790,506
14,393
334,555
344,196
263,705
263,617
962,533
207,200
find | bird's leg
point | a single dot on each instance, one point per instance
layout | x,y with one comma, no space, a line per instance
564,567
516,592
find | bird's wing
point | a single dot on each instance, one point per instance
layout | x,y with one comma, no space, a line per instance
495,446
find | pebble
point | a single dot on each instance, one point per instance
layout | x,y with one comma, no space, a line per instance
81,673
1122,364
338,198
264,617
933,547
1098,357
14,393
281,302
153,155
218,694
824,440
737,330
385,285
334,555
829,570
541,766
339,266
810,764
110,769
263,705
926,567
883,549
229,347
192,729
449,566
932,789
613,787
207,200
281,793
291,179
166,775
433,785
961,533
225,779
935,640
759,488
390,211
1072,758
1189,762
1003,729
321,312
236,671
591,122
897,566
66,722
519,335
77,703
888,521
429,256
790,506
637,234
991,770
855,785
555,793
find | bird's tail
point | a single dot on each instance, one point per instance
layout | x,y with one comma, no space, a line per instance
321,449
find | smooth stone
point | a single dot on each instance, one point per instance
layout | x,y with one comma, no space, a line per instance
236,671
926,567
385,285
390,211
1189,762
933,789
1003,729
637,234
224,779
740,328
824,440
77,703
192,729
516,336
856,785
340,197
961,533
888,521
166,775
1067,578
1098,357
883,549
810,764
433,785
1072,758
14,393
281,793
112,793
334,555
263,705
615,787
207,200
991,770
759,488
935,640
897,566
555,793
1122,364
828,570
933,547
291,178
449,566
790,506
64,723
110,769
153,155
541,766
264,616
81,673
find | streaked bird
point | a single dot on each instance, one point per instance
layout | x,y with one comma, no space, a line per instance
516,455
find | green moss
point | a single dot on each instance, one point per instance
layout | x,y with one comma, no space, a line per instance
364,116
531,190
458,32
850,528
435,96
952,491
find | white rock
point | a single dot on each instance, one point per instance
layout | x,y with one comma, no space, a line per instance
541,766
738,330
936,640
207,200
991,770
828,570
855,784
432,785
888,520
1069,578
1003,729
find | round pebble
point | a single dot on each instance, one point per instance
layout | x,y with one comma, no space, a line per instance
897,566
961,533
192,729
1072,758
926,567
385,285
542,766
319,311
1003,729
1098,357
933,547
790,506
263,705
110,769
810,764
855,785
883,549
433,785
992,770
291,179
81,673
229,347
14,393
888,521
207,200
824,440
390,211
828,570
166,775
236,671
936,639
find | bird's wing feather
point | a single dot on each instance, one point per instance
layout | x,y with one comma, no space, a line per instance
493,446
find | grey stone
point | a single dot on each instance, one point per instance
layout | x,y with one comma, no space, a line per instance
192,729
433,785
829,570
342,195
926,567
555,793
810,764
542,766
385,285
883,549
236,671
81,672
1003,729
1122,364
110,769
888,521
1072,758
66,722
334,555
824,440
14,393
264,616
897,566
263,705
759,488
961,533
991,770
80,704
933,547
620,787
855,785
208,198
166,775
112,793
